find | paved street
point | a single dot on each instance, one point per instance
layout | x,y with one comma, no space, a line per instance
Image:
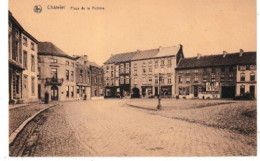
111,128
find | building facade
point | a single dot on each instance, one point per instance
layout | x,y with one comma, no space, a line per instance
56,73
97,81
22,63
117,75
83,78
153,71
214,76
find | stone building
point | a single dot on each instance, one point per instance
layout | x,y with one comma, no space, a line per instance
83,78
22,63
117,74
136,74
151,66
97,80
56,73
215,76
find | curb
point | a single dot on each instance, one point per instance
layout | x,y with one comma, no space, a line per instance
14,107
150,109
14,134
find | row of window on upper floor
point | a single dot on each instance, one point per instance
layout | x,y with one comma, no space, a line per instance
25,43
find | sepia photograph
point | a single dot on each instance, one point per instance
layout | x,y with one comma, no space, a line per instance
133,78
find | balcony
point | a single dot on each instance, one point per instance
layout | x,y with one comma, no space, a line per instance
54,81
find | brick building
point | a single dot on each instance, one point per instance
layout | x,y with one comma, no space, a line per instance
214,76
117,74
83,78
22,63
56,73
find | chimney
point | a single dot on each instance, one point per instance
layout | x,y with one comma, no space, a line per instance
224,54
241,52
198,56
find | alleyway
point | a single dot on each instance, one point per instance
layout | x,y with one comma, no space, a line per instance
111,128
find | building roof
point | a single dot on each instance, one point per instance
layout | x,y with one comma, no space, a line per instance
168,51
11,17
218,60
145,54
124,57
48,48
93,64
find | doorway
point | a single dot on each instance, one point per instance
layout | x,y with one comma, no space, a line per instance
252,91
54,93
196,91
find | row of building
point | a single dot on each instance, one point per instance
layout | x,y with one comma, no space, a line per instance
165,70
37,68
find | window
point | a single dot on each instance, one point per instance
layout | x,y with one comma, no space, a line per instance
122,80
112,73
67,75
144,70
39,73
180,79
112,81
112,67
252,76
32,46
72,91
25,43
150,70
156,64
54,60
231,69
188,71
33,63
242,90
144,80
184,90
150,80
196,70
25,84
196,79
72,76
54,73
169,80
135,72
222,69
162,62
33,86
242,77
187,79
72,64
204,70
67,91
17,85
67,63
25,59
127,80
252,67
169,62
230,77
213,78
222,77
127,68
121,68
204,78
242,67
107,67
81,75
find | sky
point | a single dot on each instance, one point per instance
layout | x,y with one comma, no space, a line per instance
201,26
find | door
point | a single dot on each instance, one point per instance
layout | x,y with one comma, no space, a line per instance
195,91
252,91
39,91
54,93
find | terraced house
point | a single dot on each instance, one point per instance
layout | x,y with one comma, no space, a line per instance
137,74
22,63
217,76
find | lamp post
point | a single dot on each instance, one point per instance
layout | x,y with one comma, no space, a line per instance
159,95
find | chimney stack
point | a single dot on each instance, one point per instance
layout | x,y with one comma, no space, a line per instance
224,54
241,52
198,56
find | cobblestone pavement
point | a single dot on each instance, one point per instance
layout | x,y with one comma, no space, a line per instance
111,128
18,115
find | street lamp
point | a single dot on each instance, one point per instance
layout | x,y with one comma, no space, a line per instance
159,95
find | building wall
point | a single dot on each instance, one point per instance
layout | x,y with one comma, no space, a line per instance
209,81
246,78
46,63
97,81
145,73
30,90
